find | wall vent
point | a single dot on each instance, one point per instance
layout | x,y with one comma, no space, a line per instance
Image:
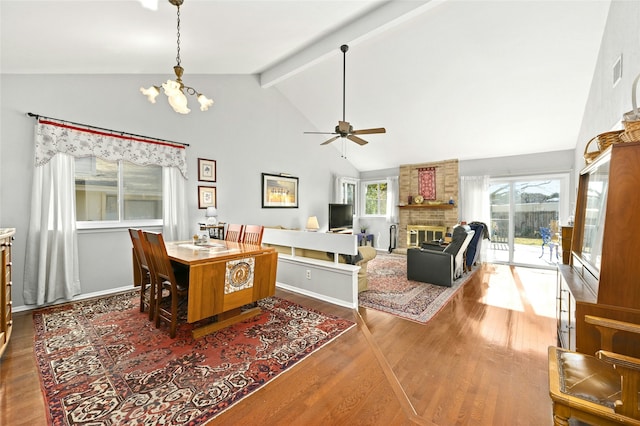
617,71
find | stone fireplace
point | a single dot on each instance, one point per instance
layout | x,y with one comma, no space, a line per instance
426,221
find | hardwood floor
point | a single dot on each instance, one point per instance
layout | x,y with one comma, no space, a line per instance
480,361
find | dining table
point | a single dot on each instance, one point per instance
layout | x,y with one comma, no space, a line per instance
225,280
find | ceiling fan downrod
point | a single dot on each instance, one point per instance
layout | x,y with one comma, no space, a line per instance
344,48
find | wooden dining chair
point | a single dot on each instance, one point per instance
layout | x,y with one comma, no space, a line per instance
169,290
234,233
147,290
601,389
252,234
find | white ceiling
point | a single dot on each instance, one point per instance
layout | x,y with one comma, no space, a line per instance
447,78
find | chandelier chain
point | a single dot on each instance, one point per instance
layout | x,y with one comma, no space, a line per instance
178,39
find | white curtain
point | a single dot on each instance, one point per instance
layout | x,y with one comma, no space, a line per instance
474,199
337,189
474,203
392,199
174,205
51,265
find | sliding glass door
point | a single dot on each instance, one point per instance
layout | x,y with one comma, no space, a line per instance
525,219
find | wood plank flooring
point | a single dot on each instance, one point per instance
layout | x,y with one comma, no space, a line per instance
480,361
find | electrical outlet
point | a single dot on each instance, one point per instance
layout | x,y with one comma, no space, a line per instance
308,274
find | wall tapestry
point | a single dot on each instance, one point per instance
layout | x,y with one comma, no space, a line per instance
427,182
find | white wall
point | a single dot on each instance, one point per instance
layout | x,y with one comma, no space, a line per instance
606,104
249,130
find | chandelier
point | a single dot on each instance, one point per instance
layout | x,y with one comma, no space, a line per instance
175,89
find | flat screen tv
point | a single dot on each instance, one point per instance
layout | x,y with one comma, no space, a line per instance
340,217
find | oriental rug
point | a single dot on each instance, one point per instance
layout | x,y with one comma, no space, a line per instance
390,291
102,362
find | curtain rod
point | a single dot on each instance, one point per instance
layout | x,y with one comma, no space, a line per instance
30,114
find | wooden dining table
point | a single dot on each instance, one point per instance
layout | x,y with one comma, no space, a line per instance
224,277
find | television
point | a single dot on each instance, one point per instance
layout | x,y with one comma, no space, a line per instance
340,217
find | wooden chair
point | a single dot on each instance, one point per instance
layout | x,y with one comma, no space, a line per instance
252,234
601,389
234,233
147,290
169,290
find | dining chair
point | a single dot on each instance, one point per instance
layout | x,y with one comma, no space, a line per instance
169,290
234,232
147,289
601,389
252,234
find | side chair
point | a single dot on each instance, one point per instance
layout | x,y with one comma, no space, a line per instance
169,290
234,233
601,389
252,234
147,289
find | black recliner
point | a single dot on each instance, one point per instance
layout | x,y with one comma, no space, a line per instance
440,265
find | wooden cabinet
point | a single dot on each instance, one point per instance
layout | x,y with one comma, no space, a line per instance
6,319
605,246
571,292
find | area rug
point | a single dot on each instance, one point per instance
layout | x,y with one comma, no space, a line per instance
390,291
102,362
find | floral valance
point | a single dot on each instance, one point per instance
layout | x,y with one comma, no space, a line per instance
52,138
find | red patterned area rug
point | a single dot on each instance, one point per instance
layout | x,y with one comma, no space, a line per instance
390,290
102,362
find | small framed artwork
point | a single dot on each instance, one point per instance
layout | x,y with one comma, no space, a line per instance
207,197
279,191
206,170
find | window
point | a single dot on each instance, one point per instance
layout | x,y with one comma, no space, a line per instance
375,198
117,191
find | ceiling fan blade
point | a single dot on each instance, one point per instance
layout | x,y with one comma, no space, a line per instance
320,133
330,140
369,131
357,140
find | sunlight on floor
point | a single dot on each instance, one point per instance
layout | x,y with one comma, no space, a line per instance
525,288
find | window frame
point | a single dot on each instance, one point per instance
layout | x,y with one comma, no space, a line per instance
119,224
363,196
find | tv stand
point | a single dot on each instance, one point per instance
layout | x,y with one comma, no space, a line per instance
341,230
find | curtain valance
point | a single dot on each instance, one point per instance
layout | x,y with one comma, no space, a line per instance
52,138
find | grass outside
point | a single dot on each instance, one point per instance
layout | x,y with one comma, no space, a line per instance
528,241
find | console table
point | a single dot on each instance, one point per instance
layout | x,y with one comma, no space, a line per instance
215,231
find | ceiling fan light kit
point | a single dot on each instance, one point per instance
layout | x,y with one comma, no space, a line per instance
174,89
344,129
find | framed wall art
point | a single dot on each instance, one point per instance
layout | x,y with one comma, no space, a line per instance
206,170
279,191
207,197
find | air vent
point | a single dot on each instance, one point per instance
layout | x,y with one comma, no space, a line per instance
617,71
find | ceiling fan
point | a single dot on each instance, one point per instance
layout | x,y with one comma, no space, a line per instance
344,129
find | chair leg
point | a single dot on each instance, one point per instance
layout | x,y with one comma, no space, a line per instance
152,300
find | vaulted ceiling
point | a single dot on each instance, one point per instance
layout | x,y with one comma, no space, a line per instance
446,78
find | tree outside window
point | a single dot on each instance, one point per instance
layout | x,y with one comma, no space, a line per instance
375,203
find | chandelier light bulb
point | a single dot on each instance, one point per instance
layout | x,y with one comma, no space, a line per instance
205,102
151,93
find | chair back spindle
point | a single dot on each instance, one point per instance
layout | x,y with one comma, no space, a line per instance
234,233
252,234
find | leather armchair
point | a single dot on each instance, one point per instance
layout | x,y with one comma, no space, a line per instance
440,265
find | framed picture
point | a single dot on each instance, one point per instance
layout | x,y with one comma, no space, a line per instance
206,170
279,191
207,197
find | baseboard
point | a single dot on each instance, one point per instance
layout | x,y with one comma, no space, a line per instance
23,308
317,296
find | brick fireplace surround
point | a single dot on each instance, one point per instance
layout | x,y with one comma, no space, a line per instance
425,214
